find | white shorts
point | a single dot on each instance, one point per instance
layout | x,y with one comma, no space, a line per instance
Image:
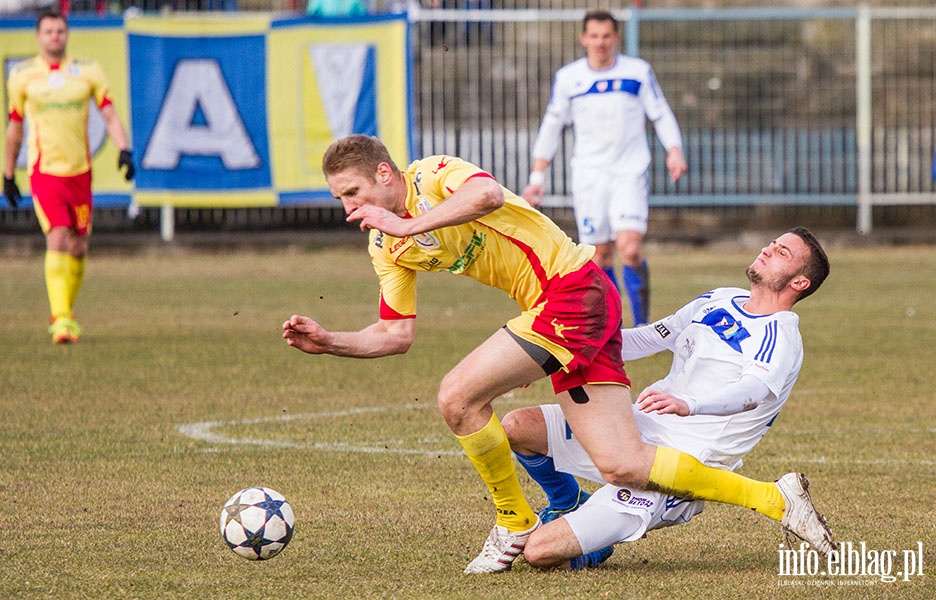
607,202
613,514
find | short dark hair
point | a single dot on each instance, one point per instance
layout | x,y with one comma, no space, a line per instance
362,153
601,16
50,13
816,268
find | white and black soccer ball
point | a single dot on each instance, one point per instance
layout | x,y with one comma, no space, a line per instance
257,523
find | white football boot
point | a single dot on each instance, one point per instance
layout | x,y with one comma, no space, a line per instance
500,550
800,517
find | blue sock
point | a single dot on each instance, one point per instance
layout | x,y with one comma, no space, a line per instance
609,271
562,490
637,286
592,559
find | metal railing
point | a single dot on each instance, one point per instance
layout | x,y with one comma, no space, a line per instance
830,110
828,107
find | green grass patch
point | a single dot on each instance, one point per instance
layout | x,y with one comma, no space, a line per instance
119,452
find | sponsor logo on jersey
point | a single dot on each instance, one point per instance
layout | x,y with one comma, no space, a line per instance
430,264
470,254
391,245
662,330
399,244
442,164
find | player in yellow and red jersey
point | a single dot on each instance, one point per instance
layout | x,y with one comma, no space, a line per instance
444,214
53,92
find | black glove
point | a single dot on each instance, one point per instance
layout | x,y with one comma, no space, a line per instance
11,191
126,160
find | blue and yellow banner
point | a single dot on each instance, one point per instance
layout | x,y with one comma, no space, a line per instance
237,110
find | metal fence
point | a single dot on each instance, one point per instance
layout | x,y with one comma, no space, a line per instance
825,107
826,112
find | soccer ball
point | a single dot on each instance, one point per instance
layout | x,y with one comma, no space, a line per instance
257,523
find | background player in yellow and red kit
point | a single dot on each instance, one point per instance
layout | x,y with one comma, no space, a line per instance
53,91
446,215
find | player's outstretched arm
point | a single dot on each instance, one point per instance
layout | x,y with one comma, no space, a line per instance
383,338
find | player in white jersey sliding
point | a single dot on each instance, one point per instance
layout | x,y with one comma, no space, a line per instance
607,98
736,356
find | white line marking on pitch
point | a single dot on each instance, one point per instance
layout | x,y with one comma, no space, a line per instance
204,431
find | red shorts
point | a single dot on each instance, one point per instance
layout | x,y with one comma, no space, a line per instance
578,321
62,201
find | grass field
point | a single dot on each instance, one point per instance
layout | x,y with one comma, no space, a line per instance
119,452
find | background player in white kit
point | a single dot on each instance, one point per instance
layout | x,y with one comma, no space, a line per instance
607,98
736,356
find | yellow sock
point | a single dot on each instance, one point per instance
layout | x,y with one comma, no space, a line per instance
489,451
76,269
680,474
57,276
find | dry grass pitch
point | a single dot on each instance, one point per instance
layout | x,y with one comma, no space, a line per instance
119,452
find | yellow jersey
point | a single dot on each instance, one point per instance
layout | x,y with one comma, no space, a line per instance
515,248
55,100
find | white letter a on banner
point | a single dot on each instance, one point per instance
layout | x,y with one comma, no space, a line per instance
199,83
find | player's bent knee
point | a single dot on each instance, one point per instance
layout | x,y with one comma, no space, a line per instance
455,403
520,425
449,392
451,409
512,428
526,430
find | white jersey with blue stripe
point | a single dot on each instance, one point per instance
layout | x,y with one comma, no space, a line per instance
714,343
608,110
